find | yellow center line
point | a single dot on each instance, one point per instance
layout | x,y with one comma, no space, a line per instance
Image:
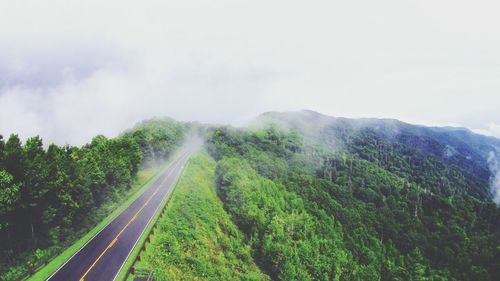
123,229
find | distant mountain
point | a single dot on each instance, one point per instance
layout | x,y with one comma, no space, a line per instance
461,151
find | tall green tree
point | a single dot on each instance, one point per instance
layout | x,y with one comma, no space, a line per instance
35,182
14,158
9,197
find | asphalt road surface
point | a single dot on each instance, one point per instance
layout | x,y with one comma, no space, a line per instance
104,255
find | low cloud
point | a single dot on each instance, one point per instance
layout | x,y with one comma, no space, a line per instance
492,129
108,99
72,69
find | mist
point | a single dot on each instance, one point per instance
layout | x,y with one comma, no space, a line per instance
495,179
70,70
73,104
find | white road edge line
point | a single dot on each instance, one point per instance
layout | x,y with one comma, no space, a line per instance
52,275
142,233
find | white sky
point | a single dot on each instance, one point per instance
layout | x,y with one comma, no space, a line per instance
73,69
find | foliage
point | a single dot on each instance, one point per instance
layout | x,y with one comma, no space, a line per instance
389,221
157,138
48,195
195,238
425,169
289,243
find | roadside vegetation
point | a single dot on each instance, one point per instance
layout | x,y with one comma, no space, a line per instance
51,197
145,177
195,238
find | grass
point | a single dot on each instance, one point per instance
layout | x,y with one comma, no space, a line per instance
122,275
145,177
195,238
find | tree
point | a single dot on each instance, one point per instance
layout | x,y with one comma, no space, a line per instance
35,182
9,196
13,158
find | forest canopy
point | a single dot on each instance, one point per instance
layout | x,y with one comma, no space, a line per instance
365,212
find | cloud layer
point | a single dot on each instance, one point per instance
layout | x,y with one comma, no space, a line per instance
108,100
73,69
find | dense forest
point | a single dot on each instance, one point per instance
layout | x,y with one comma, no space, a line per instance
357,207
295,196
49,195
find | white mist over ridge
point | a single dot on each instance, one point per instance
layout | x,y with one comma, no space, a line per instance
493,161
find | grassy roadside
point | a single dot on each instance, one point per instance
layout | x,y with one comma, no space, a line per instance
195,238
145,178
124,271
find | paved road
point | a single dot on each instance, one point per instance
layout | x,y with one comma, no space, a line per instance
103,256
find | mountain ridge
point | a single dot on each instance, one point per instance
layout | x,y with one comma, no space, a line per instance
472,153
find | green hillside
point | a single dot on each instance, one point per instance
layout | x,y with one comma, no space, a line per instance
311,212
195,238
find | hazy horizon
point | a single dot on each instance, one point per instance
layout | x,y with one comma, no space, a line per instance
245,123
70,70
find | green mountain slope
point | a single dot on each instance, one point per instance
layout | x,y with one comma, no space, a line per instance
444,159
382,220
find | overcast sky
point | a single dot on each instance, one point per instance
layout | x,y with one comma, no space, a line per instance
72,69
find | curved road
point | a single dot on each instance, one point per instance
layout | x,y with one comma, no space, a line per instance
104,255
